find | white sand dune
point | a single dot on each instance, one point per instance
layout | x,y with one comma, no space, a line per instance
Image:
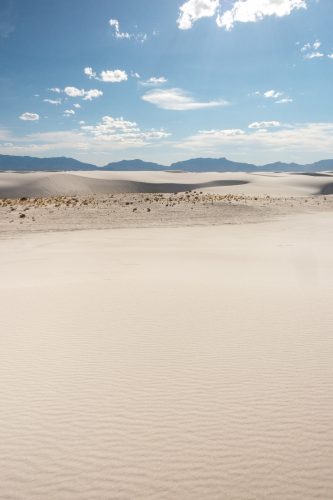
174,363
96,182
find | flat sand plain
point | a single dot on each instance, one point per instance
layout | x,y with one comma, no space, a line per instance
170,360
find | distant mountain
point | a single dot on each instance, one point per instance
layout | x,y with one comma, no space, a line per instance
134,165
25,163
321,165
225,165
29,163
212,165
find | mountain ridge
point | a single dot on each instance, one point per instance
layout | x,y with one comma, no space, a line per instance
63,163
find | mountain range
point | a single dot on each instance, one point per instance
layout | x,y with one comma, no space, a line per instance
28,163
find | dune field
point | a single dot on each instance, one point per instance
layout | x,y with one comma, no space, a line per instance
13,185
179,346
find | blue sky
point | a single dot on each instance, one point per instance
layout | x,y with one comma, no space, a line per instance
167,80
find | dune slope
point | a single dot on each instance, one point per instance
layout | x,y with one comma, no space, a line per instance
13,185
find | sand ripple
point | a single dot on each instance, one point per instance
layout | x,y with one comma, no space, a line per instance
168,364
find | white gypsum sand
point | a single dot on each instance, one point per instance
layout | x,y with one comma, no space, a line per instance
168,363
13,185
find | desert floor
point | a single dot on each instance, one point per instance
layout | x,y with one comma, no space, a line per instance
179,353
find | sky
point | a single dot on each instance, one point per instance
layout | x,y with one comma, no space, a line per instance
105,80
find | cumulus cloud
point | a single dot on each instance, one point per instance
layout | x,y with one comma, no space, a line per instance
109,76
109,125
115,76
178,100
88,71
31,117
74,92
87,95
330,56
251,11
124,35
242,11
192,10
154,81
272,94
57,90
120,131
77,105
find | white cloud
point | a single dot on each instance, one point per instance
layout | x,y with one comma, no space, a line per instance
330,56
74,92
192,10
262,125
178,100
134,74
108,135
154,81
310,50
251,11
115,76
55,89
53,101
273,94
32,117
313,55
109,125
114,23
87,95
242,11
109,76
123,133
89,72
77,105
69,112
124,35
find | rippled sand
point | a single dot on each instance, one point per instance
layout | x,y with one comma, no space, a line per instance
168,363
